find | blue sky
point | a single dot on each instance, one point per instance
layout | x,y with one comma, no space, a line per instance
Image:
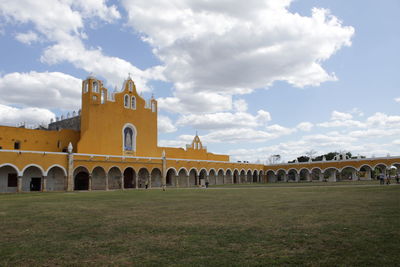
254,79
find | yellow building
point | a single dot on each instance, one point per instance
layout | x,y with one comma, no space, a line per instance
112,144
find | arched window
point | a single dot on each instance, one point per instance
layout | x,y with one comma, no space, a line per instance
102,97
130,86
129,138
126,101
133,103
85,87
95,87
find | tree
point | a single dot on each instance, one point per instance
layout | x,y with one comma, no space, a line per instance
273,159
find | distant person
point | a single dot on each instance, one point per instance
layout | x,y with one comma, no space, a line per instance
388,179
146,185
381,179
207,183
397,178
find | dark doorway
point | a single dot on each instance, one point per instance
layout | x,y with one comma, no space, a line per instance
128,178
235,178
82,181
36,184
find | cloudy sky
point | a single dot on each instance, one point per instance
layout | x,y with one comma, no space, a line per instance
254,78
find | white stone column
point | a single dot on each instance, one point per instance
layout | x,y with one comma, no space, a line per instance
176,181
149,180
309,177
70,172
136,181
19,184
321,176
187,180
107,181
90,182
122,181
297,177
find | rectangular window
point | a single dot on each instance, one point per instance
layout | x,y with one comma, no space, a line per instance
17,145
12,180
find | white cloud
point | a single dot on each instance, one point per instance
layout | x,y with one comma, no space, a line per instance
229,48
32,116
279,130
305,126
27,38
336,115
240,105
397,99
41,89
165,125
63,23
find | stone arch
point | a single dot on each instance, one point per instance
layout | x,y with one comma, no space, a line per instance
255,176
203,177
380,168
56,178
261,176
348,173
271,177
81,178
170,177
56,165
249,176
317,174
98,178
193,177
220,176
242,176
130,178
281,175
32,178
183,169
156,177
183,177
331,174
236,177
143,178
115,178
293,175
9,178
34,165
228,177
366,172
305,175
212,177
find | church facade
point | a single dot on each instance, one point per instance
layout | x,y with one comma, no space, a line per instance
112,143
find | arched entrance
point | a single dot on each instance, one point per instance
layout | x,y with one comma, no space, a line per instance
129,178
8,179
170,179
193,178
143,178
156,178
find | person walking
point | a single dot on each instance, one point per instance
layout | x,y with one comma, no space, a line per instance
207,183
397,178
381,179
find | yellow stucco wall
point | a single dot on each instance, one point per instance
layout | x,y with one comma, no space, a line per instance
37,140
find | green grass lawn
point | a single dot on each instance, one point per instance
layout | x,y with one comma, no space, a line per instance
315,225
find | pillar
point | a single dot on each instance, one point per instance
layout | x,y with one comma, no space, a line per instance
19,184
70,176
90,182
332,177
136,180
368,174
122,181
107,181
309,177
285,177
149,180
187,180
164,169
297,177
176,180
44,183
321,176
354,176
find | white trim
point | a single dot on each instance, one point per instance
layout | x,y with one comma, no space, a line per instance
183,168
347,166
108,171
171,168
304,169
212,169
33,152
56,165
195,169
98,167
33,165
13,166
73,172
155,168
134,171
